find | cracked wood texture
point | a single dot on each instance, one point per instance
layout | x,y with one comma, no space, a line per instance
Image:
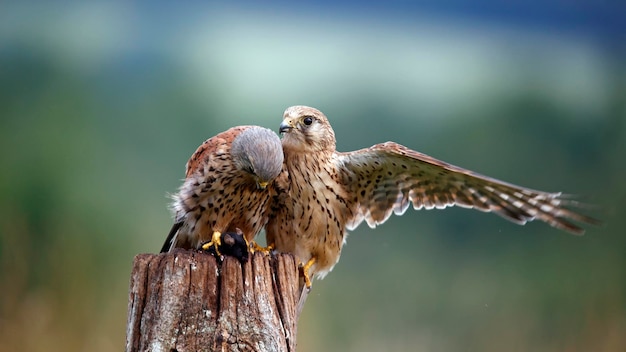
189,301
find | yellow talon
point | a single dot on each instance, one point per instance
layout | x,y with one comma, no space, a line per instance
305,272
216,241
254,247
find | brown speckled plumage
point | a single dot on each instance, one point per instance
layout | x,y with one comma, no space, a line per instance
225,187
322,192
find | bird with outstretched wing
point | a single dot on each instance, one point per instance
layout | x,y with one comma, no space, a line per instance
321,193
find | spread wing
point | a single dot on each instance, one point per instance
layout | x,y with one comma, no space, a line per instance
387,177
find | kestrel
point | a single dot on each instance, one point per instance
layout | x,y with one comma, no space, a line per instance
325,192
226,188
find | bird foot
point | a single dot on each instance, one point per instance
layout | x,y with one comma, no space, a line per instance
229,243
255,247
216,242
305,272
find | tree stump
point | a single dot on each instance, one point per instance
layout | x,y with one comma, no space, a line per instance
190,301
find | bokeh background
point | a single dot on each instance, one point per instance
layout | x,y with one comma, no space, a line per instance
101,104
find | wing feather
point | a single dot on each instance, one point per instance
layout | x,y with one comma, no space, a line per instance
389,176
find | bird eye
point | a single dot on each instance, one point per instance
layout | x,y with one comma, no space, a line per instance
308,120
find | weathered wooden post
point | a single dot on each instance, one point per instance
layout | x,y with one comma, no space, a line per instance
190,301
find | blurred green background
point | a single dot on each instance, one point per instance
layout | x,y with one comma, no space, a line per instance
101,104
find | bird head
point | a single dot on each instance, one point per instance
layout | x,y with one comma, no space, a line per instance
306,129
258,152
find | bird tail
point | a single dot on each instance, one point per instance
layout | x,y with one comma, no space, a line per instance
171,238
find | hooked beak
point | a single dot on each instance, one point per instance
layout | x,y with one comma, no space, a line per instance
286,126
262,185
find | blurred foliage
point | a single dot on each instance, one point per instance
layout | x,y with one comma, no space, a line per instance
89,155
